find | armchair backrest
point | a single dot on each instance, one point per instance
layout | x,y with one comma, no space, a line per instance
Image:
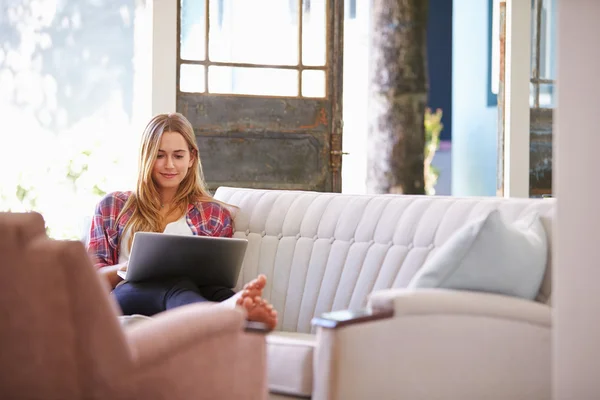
58,331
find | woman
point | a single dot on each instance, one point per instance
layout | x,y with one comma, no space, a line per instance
170,197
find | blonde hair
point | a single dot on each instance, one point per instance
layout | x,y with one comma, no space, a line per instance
145,201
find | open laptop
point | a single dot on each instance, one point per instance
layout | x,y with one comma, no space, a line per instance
206,260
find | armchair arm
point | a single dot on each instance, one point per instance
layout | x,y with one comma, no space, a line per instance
439,301
176,329
199,351
436,344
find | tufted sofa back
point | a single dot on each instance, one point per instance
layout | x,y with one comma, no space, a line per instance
329,251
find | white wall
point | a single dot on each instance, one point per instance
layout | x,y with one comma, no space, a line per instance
577,260
355,100
164,56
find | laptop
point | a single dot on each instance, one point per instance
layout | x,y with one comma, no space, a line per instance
206,260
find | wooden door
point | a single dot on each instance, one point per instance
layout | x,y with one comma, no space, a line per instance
261,82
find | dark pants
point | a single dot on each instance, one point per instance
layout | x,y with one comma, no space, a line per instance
151,297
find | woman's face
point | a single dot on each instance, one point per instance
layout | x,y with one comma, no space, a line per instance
172,162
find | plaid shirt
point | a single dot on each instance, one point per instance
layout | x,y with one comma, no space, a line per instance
204,219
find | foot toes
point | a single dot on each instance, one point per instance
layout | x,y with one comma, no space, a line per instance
248,303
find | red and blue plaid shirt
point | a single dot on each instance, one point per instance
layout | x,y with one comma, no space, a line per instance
204,219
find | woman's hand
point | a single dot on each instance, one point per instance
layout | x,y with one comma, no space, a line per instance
110,273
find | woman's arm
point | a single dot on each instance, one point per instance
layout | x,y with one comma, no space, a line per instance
103,235
109,272
103,238
99,250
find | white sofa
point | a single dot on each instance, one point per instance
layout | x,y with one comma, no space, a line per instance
325,251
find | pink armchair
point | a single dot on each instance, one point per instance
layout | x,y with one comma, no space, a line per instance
61,338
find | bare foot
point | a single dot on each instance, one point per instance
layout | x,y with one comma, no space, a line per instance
255,287
259,310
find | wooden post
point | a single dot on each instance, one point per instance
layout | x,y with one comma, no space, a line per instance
398,97
517,75
501,115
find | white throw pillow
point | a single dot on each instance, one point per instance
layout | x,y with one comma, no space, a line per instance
490,255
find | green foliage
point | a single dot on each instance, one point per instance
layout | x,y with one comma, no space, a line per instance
433,128
34,192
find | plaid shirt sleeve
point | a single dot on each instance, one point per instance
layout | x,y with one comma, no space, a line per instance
213,219
225,226
104,234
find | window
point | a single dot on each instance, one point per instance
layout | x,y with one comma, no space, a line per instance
68,95
259,47
543,45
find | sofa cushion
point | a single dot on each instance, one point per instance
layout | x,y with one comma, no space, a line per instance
290,363
490,255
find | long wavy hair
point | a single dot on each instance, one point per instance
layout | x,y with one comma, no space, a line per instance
145,201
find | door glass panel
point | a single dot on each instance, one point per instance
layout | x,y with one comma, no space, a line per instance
191,78
193,27
543,54
545,95
255,81
313,83
254,31
314,37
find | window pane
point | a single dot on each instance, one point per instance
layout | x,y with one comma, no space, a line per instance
257,81
547,67
546,95
192,25
314,36
254,31
191,78
313,83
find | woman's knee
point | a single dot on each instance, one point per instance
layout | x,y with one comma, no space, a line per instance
139,298
151,297
183,291
181,283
